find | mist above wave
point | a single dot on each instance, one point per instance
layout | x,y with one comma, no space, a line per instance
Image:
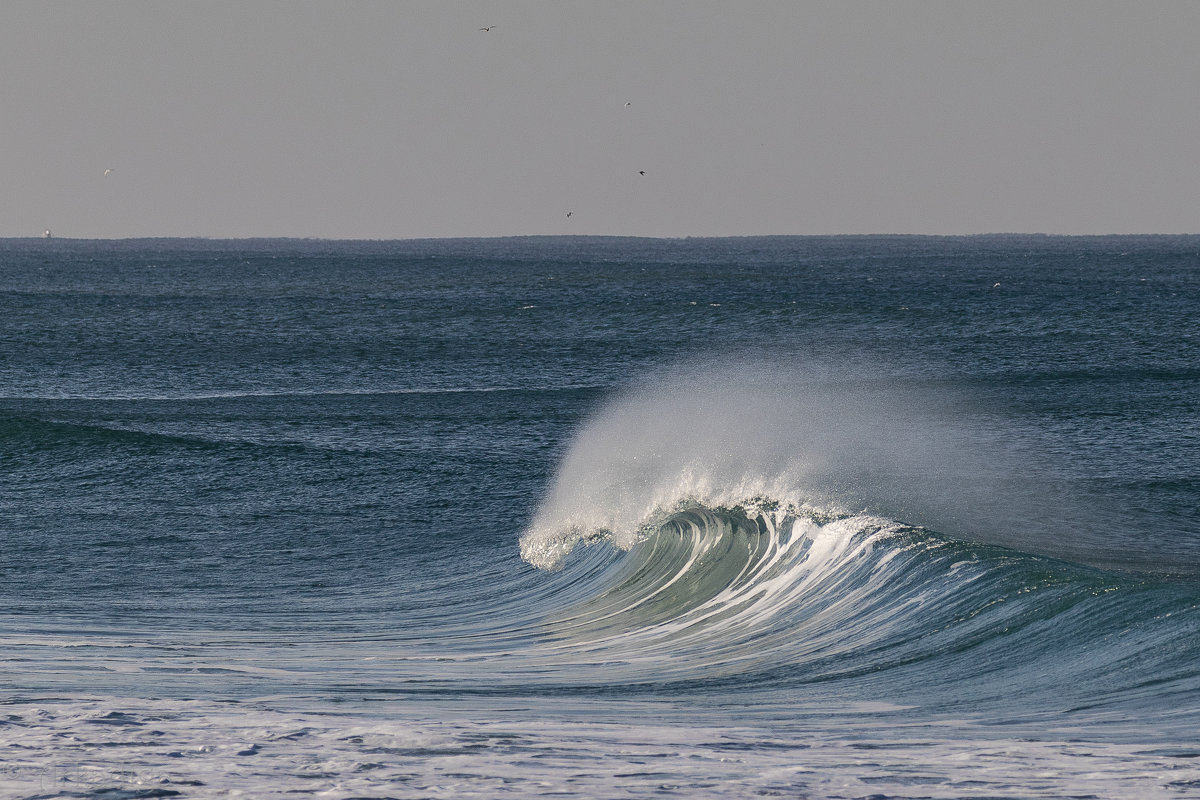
725,433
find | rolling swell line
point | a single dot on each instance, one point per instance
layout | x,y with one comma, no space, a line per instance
44,435
149,397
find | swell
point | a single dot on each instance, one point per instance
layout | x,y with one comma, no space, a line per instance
32,434
153,396
48,433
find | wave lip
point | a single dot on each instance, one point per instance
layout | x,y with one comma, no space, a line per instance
752,588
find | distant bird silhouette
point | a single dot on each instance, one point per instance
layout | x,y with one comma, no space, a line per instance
107,171
569,213
641,172
488,28
627,105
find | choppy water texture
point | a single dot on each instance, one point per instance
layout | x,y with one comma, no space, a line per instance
844,517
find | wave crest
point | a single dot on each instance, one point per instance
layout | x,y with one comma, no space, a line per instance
546,543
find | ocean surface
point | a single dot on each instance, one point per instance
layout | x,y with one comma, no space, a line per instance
831,517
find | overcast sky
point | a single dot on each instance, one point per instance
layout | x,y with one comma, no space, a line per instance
404,119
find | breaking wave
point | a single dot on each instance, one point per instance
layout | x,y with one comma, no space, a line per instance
704,545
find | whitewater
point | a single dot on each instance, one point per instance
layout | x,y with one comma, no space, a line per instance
842,517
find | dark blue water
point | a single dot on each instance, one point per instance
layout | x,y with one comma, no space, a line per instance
828,517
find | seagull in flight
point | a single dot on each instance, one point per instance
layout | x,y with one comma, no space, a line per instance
488,28
641,172
107,171
569,213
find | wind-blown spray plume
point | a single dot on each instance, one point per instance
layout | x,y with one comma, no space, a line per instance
801,437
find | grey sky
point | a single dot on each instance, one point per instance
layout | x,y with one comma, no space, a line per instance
395,120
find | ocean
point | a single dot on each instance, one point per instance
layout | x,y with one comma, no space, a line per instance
822,517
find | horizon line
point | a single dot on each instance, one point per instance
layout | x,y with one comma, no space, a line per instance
293,238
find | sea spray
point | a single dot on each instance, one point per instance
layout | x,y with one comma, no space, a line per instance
735,432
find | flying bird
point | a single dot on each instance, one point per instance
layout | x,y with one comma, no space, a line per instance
641,172
488,28
569,213
107,171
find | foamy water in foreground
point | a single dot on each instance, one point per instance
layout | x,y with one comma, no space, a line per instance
199,749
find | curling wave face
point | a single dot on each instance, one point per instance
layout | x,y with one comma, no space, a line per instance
767,597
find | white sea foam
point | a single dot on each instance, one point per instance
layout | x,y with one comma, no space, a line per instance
127,748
